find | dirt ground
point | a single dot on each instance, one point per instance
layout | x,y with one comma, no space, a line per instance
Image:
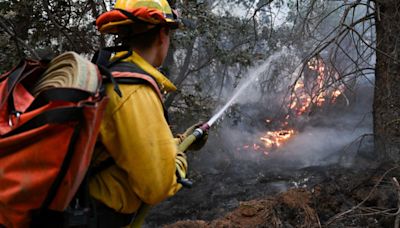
331,196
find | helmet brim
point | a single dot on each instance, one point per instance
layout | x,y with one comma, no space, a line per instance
111,21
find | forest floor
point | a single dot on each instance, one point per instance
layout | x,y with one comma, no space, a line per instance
363,195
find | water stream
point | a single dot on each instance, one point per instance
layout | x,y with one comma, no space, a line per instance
254,74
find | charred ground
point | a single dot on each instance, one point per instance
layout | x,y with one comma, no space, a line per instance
333,196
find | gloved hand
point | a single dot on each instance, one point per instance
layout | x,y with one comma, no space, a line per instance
199,143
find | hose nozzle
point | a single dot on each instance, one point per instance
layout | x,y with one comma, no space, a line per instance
199,132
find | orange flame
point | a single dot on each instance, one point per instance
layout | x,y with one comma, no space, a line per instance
301,100
274,139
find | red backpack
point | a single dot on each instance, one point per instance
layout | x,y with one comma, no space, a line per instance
46,143
47,138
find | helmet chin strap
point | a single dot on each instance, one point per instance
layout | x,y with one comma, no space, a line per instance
173,9
175,13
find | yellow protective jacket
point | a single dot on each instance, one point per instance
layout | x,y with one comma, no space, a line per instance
136,135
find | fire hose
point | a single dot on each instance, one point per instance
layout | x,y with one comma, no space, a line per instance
68,70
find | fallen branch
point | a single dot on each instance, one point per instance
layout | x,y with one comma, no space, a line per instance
397,185
338,216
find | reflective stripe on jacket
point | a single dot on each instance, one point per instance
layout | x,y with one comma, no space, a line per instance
135,133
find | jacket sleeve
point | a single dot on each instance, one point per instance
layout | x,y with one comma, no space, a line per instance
144,146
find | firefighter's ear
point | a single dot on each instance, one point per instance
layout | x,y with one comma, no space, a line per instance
164,36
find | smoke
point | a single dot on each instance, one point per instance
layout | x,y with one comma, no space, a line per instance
316,146
334,134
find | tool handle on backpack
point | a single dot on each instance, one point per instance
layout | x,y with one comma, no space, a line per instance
140,216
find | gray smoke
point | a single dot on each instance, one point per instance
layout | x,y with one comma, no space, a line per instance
334,135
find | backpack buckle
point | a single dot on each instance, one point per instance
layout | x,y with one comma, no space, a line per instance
78,216
17,115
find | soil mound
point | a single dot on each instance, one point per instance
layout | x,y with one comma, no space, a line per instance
289,209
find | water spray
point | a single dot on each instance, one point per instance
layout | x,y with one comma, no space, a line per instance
199,132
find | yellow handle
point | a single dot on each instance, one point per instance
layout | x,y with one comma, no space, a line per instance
183,146
140,216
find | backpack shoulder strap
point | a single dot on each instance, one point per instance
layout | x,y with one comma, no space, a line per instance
129,73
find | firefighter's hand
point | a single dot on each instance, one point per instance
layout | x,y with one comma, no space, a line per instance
199,143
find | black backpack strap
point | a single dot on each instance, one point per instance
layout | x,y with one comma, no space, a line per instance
102,166
108,77
102,59
26,68
45,217
128,67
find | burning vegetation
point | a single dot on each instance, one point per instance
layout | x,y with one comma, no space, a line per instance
317,86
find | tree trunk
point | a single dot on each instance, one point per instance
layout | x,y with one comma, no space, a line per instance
387,83
96,14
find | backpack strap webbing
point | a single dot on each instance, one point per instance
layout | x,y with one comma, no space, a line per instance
130,73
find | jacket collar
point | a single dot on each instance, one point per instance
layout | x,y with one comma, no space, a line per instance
165,84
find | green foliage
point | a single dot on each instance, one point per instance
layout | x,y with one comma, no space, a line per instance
26,27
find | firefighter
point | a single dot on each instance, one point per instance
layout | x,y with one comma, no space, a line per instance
134,131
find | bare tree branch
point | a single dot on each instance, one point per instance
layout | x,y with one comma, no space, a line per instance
12,34
58,25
